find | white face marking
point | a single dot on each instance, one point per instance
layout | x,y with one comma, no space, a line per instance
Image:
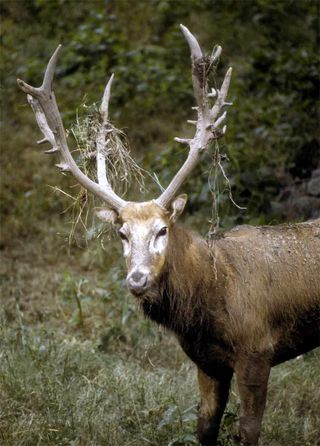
144,245
145,238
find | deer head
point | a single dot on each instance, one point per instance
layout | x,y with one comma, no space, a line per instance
144,227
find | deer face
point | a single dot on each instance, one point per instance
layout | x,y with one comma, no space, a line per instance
144,229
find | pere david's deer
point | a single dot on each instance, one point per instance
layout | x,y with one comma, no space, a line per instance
255,307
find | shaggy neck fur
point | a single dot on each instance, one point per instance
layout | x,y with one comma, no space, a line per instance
177,300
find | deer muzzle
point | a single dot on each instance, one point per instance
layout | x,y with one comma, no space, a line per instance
138,282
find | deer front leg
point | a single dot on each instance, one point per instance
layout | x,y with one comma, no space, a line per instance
252,378
214,395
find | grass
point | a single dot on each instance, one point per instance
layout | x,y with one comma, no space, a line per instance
67,393
81,366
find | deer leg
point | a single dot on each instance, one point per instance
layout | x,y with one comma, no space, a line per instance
214,395
252,379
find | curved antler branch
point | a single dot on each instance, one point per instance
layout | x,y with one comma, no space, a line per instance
101,137
49,73
208,121
44,105
194,46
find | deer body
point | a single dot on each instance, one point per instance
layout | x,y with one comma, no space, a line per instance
250,307
254,290
250,302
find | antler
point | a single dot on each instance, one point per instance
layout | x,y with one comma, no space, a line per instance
208,122
44,106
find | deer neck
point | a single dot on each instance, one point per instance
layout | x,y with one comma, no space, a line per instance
188,269
185,284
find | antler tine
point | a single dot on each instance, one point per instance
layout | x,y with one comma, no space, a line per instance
101,137
222,94
104,107
49,73
44,105
47,79
42,123
197,70
207,124
195,49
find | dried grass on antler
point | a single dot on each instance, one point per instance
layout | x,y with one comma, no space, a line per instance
121,169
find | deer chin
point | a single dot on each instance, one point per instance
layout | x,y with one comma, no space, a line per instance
138,292
148,293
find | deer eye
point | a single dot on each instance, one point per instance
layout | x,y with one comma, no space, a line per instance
123,236
163,231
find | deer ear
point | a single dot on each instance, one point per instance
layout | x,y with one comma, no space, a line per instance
177,206
107,215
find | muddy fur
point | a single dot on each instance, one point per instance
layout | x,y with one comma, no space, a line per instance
248,303
182,293
262,283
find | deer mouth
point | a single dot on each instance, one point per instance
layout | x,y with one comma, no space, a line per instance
137,292
148,290
138,283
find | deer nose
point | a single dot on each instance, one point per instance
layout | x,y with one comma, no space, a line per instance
137,282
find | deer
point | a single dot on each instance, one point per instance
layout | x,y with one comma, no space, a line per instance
239,307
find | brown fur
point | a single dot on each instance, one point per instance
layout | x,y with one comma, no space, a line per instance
256,305
259,275
246,304
144,211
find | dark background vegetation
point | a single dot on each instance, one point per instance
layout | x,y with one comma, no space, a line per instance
79,364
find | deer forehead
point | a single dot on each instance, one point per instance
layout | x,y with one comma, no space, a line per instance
144,215
141,231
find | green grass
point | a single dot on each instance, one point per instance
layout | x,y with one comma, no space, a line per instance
81,366
66,392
